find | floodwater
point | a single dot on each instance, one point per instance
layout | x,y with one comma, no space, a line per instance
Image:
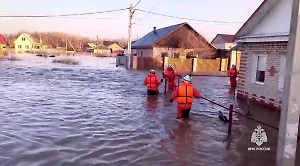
95,114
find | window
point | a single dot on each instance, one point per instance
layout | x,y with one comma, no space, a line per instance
282,72
141,53
19,46
259,67
164,54
23,38
176,55
27,47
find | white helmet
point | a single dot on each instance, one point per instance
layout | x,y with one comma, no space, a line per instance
170,66
187,78
152,71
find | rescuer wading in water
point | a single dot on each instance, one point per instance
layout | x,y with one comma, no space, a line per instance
152,83
185,94
170,75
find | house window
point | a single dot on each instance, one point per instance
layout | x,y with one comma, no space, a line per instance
19,46
260,63
141,53
23,38
282,72
27,47
164,54
176,55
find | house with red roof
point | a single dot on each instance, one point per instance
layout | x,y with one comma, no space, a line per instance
2,41
263,40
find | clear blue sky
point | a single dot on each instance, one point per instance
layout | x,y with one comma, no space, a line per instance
116,24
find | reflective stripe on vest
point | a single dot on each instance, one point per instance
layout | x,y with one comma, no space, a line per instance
185,94
151,82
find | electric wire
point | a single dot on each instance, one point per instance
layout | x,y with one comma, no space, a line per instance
184,18
62,15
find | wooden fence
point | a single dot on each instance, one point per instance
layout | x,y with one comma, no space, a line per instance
179,64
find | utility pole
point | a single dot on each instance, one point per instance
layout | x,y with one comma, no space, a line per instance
289,118
97,41
129,36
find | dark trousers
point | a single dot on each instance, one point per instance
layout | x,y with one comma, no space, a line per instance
152,92
185,113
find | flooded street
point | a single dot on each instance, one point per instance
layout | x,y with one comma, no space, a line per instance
95,114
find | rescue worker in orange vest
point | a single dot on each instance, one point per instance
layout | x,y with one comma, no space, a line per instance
185,94
152,83
170,75
233,73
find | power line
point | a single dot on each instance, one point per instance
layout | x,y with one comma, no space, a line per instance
137,3
96,18
183,18
150,10
63,15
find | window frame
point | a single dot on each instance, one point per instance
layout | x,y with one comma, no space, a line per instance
255,67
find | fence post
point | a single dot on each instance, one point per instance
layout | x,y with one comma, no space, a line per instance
163,63
192,65
165,86
230,119
248,105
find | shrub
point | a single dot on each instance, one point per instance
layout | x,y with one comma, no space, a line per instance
13,57
66,60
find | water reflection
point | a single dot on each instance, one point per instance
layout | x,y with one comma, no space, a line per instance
183,138
152,102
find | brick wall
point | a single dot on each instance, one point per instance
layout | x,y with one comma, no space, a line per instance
267,94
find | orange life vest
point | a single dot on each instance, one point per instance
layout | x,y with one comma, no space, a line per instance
185,94
151,82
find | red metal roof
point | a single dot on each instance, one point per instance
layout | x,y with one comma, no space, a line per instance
2,39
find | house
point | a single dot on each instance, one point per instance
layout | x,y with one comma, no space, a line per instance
96,49
179,40
114,47
224,44
263,40
2,42
26,43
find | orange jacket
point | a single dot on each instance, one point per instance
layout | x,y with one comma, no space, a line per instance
170,75
185,94
233,73
152,82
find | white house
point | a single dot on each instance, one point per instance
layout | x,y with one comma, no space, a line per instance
263,39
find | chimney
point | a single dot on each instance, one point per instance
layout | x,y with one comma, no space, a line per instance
154,29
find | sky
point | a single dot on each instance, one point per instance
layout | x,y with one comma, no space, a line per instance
115,24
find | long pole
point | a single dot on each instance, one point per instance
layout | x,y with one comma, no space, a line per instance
129,36
289,118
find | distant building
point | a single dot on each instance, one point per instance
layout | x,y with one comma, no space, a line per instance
224,43
26,43
2,42
93,48
114,47
179,40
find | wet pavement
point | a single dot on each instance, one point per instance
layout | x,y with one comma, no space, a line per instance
97,114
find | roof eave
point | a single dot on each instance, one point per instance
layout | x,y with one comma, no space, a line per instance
259,13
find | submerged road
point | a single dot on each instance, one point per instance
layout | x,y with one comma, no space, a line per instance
97,114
